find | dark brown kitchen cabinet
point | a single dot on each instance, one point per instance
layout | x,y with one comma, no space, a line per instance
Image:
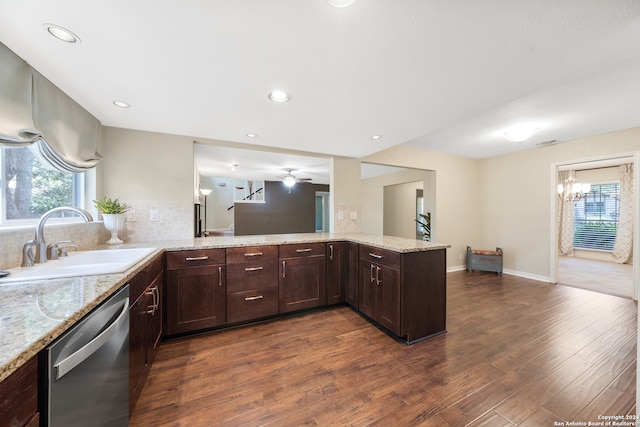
252,283
404,292
19,396
302,282
195,290
380,289
352,267
337,272
145,324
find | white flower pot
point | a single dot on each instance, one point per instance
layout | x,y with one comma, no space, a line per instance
114,223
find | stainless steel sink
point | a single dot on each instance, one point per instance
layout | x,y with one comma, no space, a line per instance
81,263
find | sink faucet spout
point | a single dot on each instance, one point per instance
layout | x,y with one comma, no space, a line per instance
41,244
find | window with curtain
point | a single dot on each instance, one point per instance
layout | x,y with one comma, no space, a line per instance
596,218
30,189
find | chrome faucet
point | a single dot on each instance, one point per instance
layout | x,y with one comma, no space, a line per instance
39,242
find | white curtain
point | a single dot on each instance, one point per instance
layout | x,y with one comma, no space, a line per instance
565,218
623,246
34,112
16,122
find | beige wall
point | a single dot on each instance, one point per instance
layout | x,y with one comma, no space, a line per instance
519,196
373,203
150,171
345,197
457,196
400,209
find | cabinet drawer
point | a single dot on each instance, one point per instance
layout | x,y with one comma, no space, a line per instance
194,258
139,282
252,275
251,254
381,256
298,250
252,304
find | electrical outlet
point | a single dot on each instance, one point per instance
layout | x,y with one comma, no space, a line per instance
340,215
153,215
131,215
354,215
460,257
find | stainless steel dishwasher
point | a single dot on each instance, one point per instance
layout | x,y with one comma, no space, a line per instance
87,379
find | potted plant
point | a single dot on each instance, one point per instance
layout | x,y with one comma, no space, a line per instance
114,214
425,223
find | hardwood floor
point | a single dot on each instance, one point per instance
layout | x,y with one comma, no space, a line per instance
517,352
600,276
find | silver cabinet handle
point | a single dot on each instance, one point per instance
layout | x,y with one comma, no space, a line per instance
254,254
196,258
303,250
253,298
253,268
284,266
375,256
155,293
331,252
70,362
378,280
371,273
219,275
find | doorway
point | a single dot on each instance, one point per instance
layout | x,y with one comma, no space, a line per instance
587,265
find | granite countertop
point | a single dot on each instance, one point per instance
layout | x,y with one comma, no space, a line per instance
34,313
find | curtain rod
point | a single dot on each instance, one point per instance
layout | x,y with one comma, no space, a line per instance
597,164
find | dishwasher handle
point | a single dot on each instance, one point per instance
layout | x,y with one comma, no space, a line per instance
73,360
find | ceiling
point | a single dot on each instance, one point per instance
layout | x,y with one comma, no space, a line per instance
433,74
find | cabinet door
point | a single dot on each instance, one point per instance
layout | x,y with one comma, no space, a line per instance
196,298
19,396
154,317
302,283
352,278
336,272
388,298
367,291
138,343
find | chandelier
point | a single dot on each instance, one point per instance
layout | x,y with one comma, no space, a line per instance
572,191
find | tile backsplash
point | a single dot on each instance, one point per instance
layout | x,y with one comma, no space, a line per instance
174,222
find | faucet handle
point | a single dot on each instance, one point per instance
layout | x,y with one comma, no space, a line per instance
28,257
54,251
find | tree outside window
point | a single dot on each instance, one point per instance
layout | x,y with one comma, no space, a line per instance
29,188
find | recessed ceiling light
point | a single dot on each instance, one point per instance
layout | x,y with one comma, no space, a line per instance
279,96
252,135
234,166
61,33
341,3
376,137
121,104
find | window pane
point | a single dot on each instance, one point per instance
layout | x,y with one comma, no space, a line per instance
31,189
596,218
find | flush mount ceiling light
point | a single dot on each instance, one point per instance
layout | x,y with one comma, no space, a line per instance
279,96
376,137
252,135
121,104
341,3
234,166
521,133
61,33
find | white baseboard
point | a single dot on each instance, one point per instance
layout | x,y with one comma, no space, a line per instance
523,274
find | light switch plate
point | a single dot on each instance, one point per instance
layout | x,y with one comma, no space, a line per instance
340,215
354,215
153,215
131,216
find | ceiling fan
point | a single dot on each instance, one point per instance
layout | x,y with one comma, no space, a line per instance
290,180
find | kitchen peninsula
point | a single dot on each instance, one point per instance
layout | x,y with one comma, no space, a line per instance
398,284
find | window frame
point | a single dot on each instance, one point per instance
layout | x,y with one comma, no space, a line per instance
585,213
78,197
